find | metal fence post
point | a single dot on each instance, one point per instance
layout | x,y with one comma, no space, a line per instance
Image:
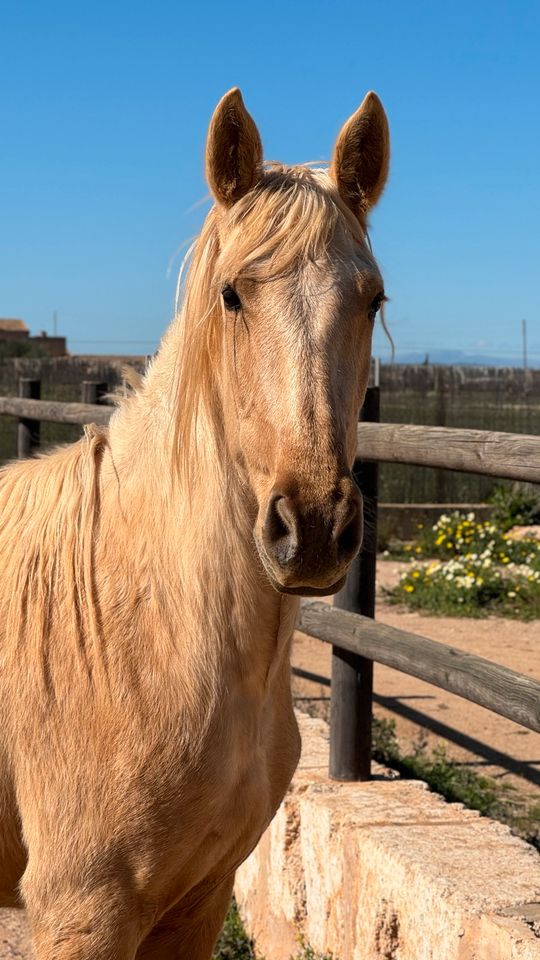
352,675
92,391
28,431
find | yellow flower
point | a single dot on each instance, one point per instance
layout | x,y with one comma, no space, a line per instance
409,588
415,574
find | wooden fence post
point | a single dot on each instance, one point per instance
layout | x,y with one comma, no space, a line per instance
28,431
92,391
352,675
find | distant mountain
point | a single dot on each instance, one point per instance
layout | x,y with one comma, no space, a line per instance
461,358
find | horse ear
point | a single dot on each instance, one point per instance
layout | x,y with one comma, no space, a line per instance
361,156
233,150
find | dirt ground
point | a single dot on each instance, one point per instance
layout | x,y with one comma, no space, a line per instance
472,735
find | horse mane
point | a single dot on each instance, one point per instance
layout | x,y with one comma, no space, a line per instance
287,219
49,508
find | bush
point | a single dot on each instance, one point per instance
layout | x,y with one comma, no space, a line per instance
477,570
460,534
471,588
518,505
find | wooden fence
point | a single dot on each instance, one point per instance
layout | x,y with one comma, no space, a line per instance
357,640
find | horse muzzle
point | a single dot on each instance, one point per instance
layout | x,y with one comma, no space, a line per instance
307,546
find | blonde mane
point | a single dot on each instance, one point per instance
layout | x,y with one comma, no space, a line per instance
49,509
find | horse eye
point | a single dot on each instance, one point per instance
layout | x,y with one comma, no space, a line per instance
376,305
230,298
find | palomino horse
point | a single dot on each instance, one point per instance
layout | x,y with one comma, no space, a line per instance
150,572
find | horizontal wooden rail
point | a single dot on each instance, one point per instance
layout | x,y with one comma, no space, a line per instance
512,455
515,456
54,411
503,691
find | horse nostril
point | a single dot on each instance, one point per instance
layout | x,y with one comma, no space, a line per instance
280,532
348,531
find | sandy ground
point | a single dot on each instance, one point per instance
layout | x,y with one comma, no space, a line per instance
472,735
14,936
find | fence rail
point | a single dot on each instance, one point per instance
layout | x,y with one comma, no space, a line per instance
515,456
503,691
357,640
53,411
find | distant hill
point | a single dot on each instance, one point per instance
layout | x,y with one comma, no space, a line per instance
461,358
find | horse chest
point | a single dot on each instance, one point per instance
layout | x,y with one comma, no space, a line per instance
247,761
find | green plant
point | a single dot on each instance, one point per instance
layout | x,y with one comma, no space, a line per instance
516,505
384,747
234,943
460,534
308,953
471,587
477,570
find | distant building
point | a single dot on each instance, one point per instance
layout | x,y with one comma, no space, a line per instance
53,346
11,329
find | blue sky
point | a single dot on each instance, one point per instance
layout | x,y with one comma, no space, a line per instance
103,120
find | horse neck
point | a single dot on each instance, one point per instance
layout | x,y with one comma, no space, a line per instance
201,539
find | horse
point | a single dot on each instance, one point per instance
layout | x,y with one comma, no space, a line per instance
151,571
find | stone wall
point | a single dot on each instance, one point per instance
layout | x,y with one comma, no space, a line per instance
386,870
